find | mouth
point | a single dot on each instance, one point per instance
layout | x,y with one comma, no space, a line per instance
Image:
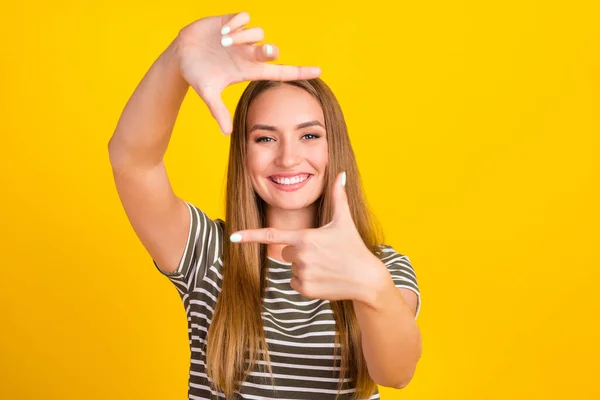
289,184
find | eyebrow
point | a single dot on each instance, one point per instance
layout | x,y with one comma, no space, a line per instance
299,126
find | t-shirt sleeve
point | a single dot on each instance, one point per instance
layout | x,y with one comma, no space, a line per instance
402,272
203,248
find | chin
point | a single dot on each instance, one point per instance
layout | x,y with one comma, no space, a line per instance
290,205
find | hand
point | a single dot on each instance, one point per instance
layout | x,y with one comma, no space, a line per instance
209,64
330,262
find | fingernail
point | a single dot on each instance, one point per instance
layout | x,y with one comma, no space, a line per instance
344,179
226,41
236,237
269,49
225,30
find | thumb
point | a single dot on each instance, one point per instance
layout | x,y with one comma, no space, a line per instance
341,208
218,110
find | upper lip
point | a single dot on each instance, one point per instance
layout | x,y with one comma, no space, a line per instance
288,174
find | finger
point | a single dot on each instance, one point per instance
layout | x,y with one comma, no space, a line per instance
277,72
219,112
267,236
296,284
341,208
297,271
237,21
302,287
251,36
266,52
289,254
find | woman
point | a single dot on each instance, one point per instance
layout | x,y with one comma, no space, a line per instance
302,300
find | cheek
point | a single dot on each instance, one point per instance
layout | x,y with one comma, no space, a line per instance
322,158
257,162
319,160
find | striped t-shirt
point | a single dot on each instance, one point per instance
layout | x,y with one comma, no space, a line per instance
299,331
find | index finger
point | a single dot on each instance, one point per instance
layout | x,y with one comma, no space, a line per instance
278,72
267,236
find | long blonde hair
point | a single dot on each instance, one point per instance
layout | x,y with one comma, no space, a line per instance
236,331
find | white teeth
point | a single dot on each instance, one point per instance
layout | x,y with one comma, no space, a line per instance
290,181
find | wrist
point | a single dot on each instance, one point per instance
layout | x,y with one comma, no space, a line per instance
373,283
171,61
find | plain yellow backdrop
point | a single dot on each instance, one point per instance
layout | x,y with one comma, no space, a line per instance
476,129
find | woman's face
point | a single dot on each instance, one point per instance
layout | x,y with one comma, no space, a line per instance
287,147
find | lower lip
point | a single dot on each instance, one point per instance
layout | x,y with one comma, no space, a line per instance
290,188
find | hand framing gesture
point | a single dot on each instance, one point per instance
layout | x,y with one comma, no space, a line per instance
330,262
218,51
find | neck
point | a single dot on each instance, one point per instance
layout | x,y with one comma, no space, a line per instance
303,218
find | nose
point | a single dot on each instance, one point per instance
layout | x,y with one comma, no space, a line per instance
289,154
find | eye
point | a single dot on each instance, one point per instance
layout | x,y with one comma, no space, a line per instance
263,139
315,136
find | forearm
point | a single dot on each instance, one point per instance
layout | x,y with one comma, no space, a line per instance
391,340
144,129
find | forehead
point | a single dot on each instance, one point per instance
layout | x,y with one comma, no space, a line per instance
284,106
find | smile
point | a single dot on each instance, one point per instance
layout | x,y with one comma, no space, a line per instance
289,180
289,184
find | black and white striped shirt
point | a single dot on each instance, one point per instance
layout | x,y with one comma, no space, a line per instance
299,331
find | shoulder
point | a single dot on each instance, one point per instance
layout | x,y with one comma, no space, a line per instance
205,228
403,274
388,255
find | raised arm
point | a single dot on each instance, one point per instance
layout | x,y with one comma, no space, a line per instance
208,61
136,149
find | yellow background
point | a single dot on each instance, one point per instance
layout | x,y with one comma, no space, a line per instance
476,129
